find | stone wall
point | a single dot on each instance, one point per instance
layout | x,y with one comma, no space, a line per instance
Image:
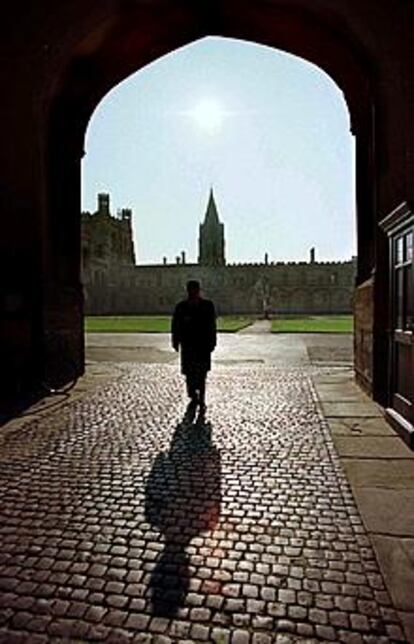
363,335
244,288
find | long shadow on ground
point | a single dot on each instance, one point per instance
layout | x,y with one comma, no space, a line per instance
182,500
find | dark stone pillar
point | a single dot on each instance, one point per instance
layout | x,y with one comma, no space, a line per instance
63,291
21,238
365,287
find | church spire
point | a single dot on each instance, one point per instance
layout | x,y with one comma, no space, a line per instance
211,212
211,240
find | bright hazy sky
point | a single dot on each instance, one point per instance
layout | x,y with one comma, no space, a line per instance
269,132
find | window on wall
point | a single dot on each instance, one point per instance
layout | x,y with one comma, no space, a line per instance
403,281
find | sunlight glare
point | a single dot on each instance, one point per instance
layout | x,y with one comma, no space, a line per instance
208,114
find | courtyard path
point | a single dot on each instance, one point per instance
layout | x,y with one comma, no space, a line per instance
122,521
276,349
258,327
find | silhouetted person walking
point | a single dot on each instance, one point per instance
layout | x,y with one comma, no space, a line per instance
193,331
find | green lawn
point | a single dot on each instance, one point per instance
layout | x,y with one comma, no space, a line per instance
313,324
161,324
127,324
152,323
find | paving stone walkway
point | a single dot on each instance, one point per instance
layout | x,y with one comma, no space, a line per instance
122,521
257,328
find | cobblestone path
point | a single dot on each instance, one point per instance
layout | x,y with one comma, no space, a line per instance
119,522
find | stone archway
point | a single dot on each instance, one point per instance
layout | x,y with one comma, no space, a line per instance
95,69
88,51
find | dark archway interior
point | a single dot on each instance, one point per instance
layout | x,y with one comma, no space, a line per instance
84,53
121,52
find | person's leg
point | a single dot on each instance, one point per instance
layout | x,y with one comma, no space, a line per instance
202,390
191,388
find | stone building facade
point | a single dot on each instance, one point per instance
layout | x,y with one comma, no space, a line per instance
106,240
113,284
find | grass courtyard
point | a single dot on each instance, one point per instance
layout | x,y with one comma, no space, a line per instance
313,324
153,323
229,324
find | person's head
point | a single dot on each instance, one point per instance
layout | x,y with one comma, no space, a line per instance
193,288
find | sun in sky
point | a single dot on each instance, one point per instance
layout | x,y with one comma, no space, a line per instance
208,114
273,140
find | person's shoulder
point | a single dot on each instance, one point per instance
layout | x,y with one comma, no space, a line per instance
208,304
180,305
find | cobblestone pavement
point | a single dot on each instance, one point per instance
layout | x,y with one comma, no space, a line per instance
121,522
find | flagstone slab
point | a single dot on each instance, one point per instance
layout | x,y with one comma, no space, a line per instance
347,409
380,473
342,392
372,447
396,557
407,619
387,511
353,427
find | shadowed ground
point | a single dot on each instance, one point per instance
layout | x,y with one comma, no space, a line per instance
249,521
123,519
